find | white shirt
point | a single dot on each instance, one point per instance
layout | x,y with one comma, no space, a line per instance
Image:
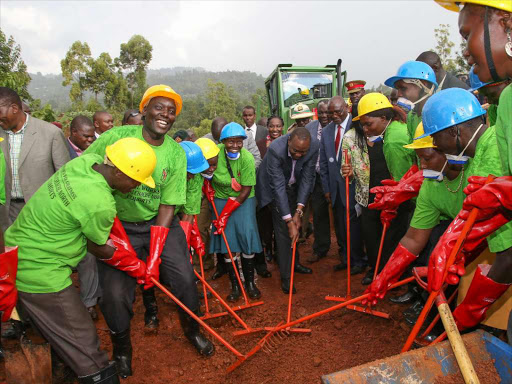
342,132
252,130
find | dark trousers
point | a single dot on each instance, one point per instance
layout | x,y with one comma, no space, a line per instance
357,256
283,241
372,231
435,235
321,224
176,272
63,320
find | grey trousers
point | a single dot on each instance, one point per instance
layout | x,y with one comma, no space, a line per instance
63,320
89,281
176,272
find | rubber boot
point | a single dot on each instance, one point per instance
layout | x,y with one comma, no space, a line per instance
194,335
412,293
235,287
107,375
220,270
261,265
248,268
122,352
150,316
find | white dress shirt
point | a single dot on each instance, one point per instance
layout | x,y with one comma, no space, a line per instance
342,132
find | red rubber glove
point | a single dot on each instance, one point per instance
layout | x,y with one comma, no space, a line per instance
8,291
495,197
231,206
395,267
482,293
196,241
208,190
387,216
390,197
156,246
187,228
124,258
441,253
391,183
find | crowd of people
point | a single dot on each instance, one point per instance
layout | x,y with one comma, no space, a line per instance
128,206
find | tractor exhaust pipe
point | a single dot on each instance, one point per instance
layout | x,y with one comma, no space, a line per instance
338,78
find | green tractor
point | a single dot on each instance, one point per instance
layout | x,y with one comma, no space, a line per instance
288,85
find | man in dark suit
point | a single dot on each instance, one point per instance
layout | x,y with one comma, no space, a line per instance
321,224
285,180
257,132
331,158
81,135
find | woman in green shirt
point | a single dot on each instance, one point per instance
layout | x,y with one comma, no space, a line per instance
233,182
378,148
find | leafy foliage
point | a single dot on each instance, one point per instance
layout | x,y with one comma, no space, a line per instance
444,49
13,71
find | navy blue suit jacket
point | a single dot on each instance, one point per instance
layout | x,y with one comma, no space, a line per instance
332,181
275,171
72,153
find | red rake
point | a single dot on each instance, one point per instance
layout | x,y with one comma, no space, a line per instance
235,267
290,296
455,251
240,356
348,295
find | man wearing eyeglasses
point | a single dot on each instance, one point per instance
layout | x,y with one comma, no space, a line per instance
331,159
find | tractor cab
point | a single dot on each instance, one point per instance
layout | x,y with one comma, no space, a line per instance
288,85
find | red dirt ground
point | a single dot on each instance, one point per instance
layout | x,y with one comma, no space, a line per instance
339,340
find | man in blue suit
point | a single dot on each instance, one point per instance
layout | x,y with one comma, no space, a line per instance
285,179
321,224
331,158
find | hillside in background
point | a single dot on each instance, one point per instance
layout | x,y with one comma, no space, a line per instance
187,81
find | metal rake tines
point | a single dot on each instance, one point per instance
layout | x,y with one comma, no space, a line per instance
270,344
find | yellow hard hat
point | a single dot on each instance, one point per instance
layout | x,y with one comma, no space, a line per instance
304,91
453,5
134,158
208,147
424,142
371,102
164,91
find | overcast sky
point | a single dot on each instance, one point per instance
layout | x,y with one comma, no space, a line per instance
372,37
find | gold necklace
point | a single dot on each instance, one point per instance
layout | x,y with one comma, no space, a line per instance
460,183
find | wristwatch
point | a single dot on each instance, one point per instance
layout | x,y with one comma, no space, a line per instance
300,212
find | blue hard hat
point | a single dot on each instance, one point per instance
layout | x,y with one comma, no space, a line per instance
447,108
413,70
232,130
196,162
474,80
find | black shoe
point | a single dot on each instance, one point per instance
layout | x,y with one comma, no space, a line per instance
285,286
340,267
299,268
368,278
122,352
220,270
411,294
193,334
13,330
261,265
357,270
412,313
248,268
107,375
235,287
151,321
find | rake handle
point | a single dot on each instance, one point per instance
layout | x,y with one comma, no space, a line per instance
290,294
206,309
196,318
382,238
347,196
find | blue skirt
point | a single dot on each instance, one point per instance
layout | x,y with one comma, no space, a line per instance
241,230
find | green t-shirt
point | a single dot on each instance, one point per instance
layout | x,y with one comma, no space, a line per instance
435,200
492,114
413,120
398,158
486,162
2,178
73,205
504,129
193,204
243,169
170,176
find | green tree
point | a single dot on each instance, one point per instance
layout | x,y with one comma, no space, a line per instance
220,101
13,71
75,67
260,102
46,113
204,128
135,57
444,48
101,73
117,94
